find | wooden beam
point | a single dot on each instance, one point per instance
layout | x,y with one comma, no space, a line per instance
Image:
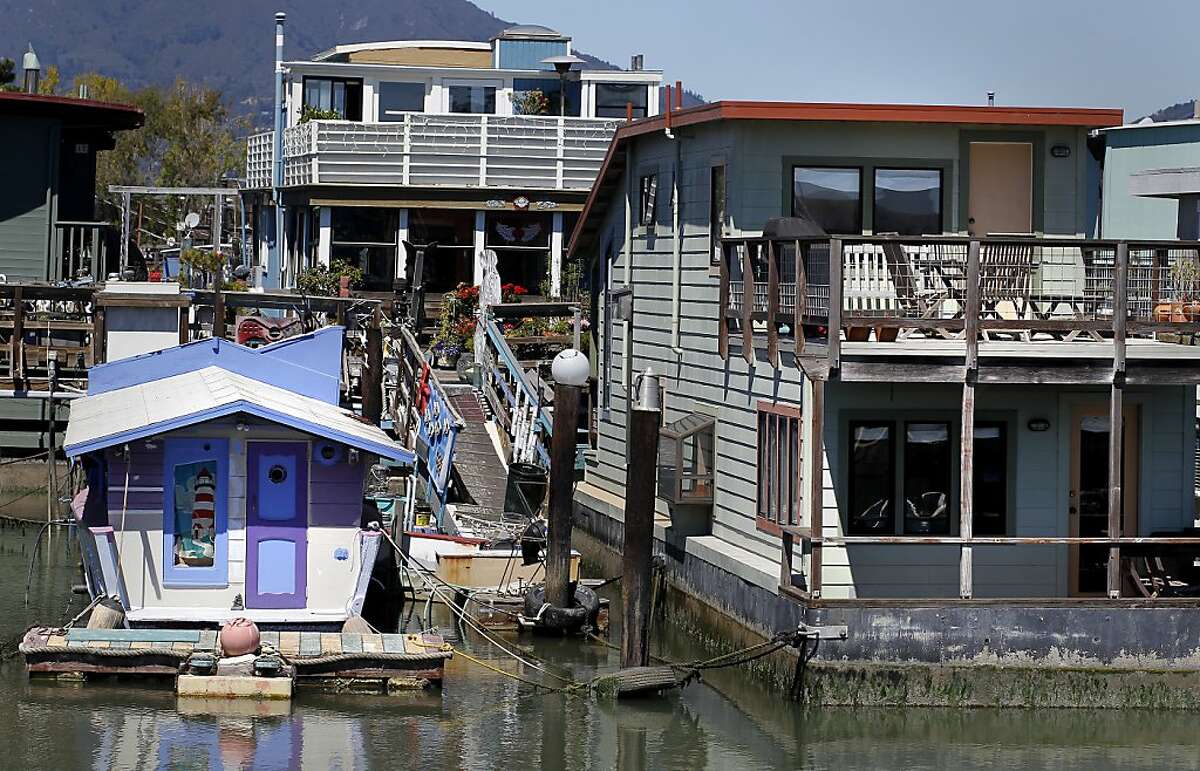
747,303
1116,413
183,324
772,305
98,336
218,328
835,304
816,486
723,304
16,360
966,475
801,298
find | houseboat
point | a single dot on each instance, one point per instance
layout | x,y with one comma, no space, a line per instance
469,145
905,387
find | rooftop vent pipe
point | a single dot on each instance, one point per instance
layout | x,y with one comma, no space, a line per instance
33,70
636,62
991,98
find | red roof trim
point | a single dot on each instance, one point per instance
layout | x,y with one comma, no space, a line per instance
90,111
1078,117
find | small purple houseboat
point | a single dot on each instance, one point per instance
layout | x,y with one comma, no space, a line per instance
226,481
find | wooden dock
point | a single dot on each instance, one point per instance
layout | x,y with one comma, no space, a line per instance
315,658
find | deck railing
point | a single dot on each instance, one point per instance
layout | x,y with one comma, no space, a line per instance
425,150
81,249
520,408
1060,286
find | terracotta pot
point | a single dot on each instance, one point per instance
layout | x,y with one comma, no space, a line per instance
1191,311
1170,312
239,636
858,334
887,334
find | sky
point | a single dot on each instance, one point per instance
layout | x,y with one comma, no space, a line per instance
1140,55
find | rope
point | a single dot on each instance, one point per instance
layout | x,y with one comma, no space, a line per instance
514,676
11,461
333,658
107,653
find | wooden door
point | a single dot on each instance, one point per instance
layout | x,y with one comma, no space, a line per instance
276,524
1000,198
1087,502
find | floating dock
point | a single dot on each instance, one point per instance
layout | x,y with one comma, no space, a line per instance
381,662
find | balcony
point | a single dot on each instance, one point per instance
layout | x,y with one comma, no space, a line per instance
942,301
461,151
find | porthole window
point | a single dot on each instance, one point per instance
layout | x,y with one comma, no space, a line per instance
277,474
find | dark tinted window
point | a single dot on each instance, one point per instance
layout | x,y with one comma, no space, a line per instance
342,96
395,99
991,479
611,99
473,99
871,488
831,197
927,474
908,201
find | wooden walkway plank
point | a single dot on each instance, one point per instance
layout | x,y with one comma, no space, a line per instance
372,643
393,643
134,635
289,643
331,642
270,638
208,640
310,643
352,642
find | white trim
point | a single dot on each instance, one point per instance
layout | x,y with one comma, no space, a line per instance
383,45
215,615
1149,125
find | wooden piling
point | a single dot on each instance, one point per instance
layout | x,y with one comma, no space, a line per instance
562,482
372,372
218,329
639,531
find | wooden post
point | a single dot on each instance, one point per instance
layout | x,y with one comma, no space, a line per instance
51,437
816,488
17,357
218,330
966,473
184,321
747,304
97,334
562,483
723,305
801,298
835,304
641,460
371,381
1116,414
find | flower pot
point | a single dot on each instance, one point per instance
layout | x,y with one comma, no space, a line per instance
1170,312
887,334
858,334
239,636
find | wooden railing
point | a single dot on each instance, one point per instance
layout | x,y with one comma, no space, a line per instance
519,408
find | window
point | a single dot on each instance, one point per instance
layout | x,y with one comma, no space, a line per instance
395,99
646,201
365,237
778,466
872,485
990,491
829,196
337,94
473,99
525,104
908,201
685,460
716,210
927,473
612,98
195,491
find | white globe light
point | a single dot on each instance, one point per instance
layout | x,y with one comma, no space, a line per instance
571,367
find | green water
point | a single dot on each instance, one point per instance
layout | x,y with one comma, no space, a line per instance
482,720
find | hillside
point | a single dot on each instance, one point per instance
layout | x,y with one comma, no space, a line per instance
228,45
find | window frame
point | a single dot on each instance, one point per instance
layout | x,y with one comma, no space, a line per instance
717,215
497,85
346,82
398,115
619,111
648,197
904,480
862,197
180,451
893,469
941,197
769,507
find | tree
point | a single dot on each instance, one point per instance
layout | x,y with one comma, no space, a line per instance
8,74
49,81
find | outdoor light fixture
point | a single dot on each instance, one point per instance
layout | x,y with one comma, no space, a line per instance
1061,151
562,65
571,368
1038,424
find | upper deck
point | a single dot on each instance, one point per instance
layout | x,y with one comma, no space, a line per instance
948,308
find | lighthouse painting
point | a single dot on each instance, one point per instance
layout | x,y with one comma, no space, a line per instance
195,514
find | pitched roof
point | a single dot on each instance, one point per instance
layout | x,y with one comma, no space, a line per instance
80,113
613,166
151,408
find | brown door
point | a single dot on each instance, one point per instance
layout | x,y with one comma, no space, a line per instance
1000,199
1088,498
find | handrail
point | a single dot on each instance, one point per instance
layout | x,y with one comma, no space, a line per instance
518,405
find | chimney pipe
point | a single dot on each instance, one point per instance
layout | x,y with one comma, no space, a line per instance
635,62
679,95
991,98
1196,108
33,70
275,254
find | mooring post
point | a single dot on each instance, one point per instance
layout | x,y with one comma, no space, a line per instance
372,373
641,462
570,371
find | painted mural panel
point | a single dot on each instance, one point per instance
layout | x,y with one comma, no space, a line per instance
195,537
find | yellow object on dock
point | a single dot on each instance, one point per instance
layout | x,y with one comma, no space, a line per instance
234,686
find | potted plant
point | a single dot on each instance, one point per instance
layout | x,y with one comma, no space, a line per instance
1184,277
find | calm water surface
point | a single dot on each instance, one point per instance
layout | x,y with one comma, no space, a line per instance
482,720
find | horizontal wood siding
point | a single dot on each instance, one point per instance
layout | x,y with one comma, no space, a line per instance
27,154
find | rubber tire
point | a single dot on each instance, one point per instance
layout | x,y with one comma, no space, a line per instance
586,603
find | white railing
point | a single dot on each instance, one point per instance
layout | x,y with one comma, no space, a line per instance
259,155
493,151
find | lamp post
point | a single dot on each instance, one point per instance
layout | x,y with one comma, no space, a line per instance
570,371
562,65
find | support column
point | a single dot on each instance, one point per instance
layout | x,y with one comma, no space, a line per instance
816,488
641,453
966,471
556,254
480,230
1116,415
562,485
401,237
324,235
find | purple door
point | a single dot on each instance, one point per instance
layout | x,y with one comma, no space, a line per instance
276,524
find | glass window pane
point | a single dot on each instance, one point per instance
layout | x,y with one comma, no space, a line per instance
473,99
831,197
908,201
364,225
395,99
339,97
716,210
990,492
611,99
927,473
871,488
318,93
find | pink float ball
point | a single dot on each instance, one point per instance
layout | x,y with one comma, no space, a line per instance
239,636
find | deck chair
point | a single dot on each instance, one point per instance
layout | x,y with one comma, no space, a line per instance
913,299
1006,275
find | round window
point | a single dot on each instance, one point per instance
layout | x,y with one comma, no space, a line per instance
277,474
328,451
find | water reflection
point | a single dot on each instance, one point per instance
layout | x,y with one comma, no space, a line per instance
484,720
